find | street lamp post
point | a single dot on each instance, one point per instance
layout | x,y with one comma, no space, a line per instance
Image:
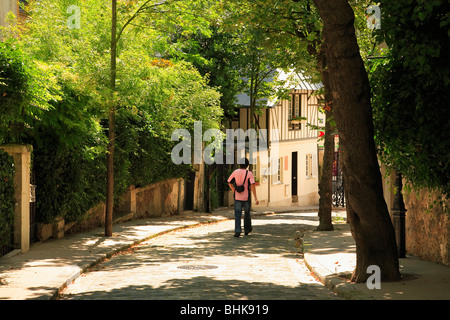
398,212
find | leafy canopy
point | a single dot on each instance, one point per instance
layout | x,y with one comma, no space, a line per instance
60,77
410,89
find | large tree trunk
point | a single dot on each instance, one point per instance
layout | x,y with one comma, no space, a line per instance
372,228
325,184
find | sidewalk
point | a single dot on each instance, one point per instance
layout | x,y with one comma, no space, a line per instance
49,266
331,255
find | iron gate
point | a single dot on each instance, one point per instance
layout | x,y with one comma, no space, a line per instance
338,196
33,222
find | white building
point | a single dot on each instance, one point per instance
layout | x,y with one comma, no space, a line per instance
292,144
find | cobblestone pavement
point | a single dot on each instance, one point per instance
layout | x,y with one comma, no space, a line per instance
207,262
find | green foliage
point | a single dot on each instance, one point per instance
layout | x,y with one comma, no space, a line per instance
67,183
6,197
26,90
368,45
142,158
169,97
216,57
246,45
44,105
410,91
68,157
288,30
54,84
172,96
271,35
41,105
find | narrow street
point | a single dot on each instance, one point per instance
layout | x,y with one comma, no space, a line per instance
207,262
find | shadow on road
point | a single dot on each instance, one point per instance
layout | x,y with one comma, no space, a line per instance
247,267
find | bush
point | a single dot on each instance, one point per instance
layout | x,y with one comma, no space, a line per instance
6,197
59,106
141,158
26,90
68,158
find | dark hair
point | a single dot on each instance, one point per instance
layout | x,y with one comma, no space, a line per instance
245,164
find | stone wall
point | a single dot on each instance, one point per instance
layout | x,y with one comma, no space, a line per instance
7,6
95,217
161,199
427,227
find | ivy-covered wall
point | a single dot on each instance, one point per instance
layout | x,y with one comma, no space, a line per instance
6,198
410,88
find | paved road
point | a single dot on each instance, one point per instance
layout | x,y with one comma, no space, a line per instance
207,262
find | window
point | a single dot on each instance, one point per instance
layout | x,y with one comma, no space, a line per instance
295,111
297,106
279,170
290,108
278,176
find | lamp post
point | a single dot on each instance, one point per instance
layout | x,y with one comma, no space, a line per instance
398,212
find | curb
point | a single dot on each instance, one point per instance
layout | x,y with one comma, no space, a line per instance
332,281
113,252
56,286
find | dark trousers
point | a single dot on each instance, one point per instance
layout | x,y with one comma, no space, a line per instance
238,207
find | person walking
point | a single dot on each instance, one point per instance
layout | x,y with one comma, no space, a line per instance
241,181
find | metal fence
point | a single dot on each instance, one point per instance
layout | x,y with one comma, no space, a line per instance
338,196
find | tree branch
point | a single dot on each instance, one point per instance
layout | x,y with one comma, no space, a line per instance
141,9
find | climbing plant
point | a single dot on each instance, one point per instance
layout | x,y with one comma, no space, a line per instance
6,197
409,87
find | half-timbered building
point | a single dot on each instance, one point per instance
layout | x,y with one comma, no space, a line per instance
292,146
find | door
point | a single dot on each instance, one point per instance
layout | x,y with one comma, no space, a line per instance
294,180
189,192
